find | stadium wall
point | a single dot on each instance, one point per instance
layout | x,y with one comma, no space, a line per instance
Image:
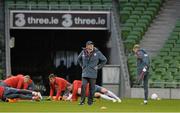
164,93
2,40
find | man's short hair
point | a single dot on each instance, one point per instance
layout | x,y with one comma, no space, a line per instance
27,76
52,75
136,46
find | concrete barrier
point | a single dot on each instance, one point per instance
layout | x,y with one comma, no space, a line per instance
166,93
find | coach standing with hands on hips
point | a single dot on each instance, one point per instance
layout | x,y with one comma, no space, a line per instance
143,63
90,59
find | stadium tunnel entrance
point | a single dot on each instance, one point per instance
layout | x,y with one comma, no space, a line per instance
41,52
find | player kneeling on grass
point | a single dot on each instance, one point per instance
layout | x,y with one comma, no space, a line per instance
8,94
20,82
56,84
100,92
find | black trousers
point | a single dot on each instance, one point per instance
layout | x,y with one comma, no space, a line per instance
92,82
145,84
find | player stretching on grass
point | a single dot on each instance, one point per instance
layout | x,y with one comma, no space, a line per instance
19,82
57,84
143,64
7,93
75,88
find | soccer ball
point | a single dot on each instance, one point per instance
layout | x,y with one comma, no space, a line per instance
154,96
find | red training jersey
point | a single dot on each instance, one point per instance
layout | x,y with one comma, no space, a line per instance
1,92
17,82
59,85
76,85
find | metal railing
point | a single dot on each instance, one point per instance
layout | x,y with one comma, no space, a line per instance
159,85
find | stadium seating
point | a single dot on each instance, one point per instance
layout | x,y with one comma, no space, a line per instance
132,66
169,59
136,16
165,67
59,4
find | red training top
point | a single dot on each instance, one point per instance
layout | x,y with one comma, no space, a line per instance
59,85
17,82
1,92
76,85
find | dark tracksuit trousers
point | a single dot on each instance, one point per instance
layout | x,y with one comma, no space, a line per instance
17,93
145,84
92,82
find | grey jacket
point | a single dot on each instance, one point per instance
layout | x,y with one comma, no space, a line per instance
91,63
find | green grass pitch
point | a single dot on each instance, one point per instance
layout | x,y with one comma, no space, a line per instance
127,105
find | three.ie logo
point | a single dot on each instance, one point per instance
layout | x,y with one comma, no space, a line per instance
59,20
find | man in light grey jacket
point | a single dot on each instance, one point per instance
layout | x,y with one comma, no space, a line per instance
90,59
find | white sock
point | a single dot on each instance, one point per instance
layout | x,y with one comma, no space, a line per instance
107,97
111,94
39,94
69,97
34,93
